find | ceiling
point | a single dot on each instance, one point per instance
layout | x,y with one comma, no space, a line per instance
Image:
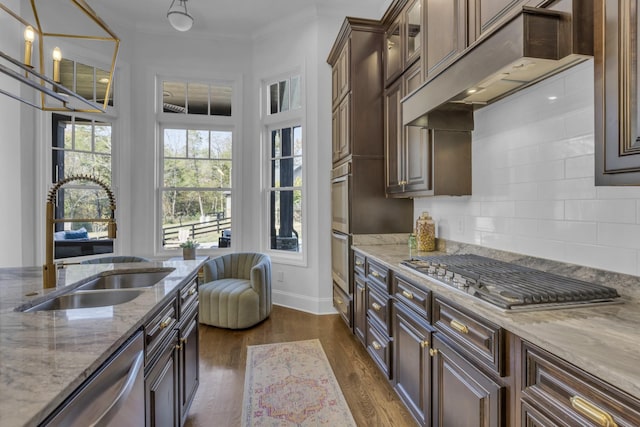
233,18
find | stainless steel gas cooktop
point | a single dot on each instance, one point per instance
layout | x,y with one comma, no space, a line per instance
510,286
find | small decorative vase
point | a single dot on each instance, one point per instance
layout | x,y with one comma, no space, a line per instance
425,233
189,253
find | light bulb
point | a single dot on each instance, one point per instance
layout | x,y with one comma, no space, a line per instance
57,57
29,36
57,54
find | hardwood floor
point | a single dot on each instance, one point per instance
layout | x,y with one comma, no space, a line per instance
218,401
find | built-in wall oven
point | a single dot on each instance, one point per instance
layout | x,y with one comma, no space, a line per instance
340,245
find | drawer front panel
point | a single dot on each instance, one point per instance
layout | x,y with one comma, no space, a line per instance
188,298
378,275
358,263
379,347
573,397
158,329
342,303
477,338
417,299
378,308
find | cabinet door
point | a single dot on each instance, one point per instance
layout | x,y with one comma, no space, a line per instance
417,145
486,15
161,389
343,141
189,361
360,309
335,135
412,27
446,33
462,395
344,74
393,52
617,131
412,364
393,139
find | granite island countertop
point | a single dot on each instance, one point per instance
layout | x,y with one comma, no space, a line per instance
46,355
602,340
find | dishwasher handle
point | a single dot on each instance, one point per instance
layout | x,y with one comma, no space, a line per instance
123,394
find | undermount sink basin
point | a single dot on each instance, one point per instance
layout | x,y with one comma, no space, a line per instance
124,280
86,299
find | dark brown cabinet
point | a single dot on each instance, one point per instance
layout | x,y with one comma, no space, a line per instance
360,308
446,35
486,15
412,362
557,393
172,359
463,396
617,135
394,63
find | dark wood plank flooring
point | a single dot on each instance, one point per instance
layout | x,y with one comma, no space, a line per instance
218,401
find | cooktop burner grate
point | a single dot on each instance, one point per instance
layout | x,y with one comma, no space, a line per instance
509,286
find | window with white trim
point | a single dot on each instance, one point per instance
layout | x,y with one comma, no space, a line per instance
196,161
284,155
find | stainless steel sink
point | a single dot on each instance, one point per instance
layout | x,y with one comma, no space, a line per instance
87,299
126,280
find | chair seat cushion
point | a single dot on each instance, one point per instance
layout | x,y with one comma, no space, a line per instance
229,303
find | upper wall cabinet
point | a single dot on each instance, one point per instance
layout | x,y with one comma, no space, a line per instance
404,38
617,132
446,35
356,61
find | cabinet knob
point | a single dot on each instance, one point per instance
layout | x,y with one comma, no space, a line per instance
460,327
376,306
376,345
359,263
178,346
407,294
592,412
433,352
192,291
375,274
424,344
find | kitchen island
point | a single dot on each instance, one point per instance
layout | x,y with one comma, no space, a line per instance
46,355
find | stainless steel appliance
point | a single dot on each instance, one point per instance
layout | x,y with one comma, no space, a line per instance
510,286
113,396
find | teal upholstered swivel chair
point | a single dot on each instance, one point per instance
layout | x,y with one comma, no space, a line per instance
114,260
236,292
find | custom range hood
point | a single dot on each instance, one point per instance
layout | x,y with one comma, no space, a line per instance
533,45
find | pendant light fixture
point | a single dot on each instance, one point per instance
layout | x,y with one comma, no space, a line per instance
178,16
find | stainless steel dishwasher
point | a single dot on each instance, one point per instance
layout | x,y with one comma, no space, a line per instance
113,396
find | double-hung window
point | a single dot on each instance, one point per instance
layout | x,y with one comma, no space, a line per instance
284,156
196,147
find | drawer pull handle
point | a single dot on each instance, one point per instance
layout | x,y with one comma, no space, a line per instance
592,412
424,344
359,263
339,301
433,352
462,328
178,346
375,274
376,306
192,291
166,322
376,345
407,294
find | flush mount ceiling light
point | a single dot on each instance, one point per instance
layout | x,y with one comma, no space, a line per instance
178,16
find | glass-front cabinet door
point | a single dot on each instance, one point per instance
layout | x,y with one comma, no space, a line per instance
413,31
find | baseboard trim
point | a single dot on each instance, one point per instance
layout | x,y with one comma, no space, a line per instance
317,306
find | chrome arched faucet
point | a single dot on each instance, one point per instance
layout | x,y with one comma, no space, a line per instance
49,273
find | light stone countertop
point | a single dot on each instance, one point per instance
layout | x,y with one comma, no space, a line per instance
46,355
602,340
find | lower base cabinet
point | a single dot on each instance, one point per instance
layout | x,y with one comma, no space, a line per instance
412,363
463,396
161,388
188,356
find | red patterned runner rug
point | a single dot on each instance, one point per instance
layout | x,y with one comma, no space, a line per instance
292,384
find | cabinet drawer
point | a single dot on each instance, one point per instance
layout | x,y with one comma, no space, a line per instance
379,347
188,298
156,330
413,296
378,308
358,263
570,396
378,275
342,303
475,337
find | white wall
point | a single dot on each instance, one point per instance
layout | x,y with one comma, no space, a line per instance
533,182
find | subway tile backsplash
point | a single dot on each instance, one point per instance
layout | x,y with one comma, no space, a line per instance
533,182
